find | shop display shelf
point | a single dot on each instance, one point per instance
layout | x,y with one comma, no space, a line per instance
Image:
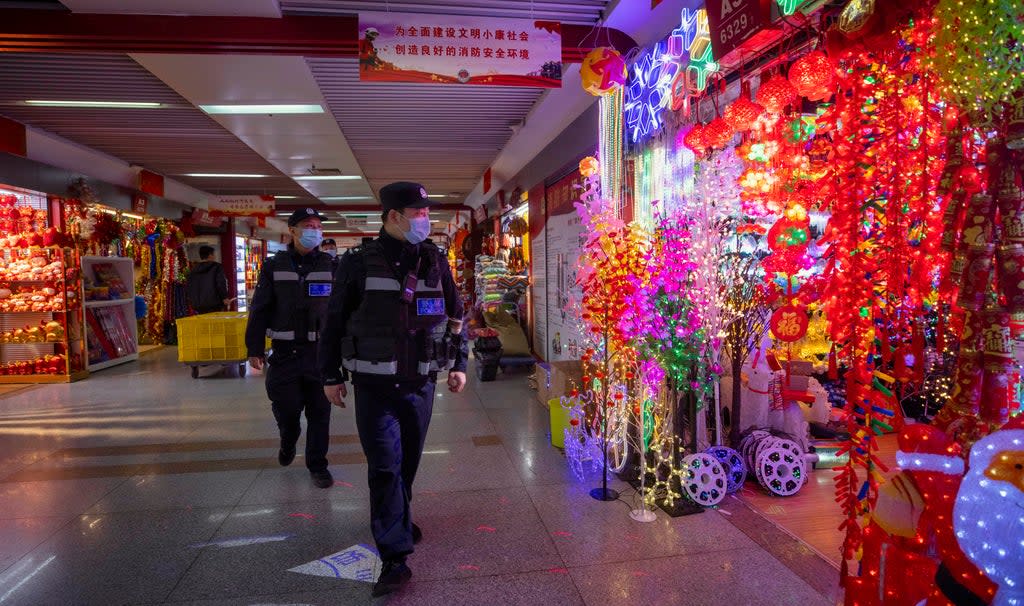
15,379
94,304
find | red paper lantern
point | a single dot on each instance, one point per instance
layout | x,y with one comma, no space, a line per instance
718,133
694,140
776,94
813,76
742,113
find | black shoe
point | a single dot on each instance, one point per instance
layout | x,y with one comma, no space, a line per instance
417,534
392,577
322,479
285,456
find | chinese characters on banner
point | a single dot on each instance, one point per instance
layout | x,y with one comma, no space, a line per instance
403,47
242,206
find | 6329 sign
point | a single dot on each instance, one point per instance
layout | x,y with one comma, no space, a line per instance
733,22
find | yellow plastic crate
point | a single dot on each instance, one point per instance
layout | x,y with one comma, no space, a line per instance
213,337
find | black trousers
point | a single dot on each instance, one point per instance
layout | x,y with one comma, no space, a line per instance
392,422
293,386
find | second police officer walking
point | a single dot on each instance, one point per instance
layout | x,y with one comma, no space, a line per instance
288,306
394,321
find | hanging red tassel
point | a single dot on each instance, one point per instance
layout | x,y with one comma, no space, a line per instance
900,367
917,348
833,367
883,345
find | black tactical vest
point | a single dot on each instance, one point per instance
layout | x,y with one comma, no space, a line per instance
389,337
300,296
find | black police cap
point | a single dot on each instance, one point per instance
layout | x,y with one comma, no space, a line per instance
301,214
404,194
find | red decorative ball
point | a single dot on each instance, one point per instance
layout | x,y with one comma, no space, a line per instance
813,76
694,140
776,94
742,113
718,133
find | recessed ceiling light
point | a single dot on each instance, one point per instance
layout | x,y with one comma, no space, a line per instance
95,104
437,196
346,198
275,108
329,222
285,197
326,177
227,175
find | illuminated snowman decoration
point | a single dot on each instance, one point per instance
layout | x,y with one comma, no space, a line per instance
989,513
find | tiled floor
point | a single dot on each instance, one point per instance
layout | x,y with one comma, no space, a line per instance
141,485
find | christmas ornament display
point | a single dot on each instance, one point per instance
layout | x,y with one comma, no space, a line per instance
602,71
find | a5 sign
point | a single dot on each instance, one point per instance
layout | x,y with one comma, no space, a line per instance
733,22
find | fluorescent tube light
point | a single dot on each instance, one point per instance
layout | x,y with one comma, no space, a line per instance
94,104
346,198
326,177
274,108
226,175
285,197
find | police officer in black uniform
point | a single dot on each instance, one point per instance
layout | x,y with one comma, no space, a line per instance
393,323
289,306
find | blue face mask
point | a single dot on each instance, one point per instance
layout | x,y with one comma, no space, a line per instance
311,238
419,229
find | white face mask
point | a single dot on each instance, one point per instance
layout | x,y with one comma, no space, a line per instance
419,229
311,238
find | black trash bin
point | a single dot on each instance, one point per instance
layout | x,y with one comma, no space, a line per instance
487,351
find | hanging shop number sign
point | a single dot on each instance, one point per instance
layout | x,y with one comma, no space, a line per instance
456,49
733,22
789,323
242,206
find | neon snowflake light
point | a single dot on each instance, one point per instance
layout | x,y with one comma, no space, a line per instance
650,91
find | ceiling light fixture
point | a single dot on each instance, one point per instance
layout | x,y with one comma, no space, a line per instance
227,175
272,108
346,198
326,177
285,197
95,104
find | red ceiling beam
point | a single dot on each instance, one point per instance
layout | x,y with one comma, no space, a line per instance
45,31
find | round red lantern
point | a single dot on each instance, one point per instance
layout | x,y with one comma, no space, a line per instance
742,113
718,133
694,140
776,94
813,76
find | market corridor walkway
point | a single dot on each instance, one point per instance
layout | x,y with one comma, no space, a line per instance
144,486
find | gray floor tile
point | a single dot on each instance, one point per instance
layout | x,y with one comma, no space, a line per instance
480,534
116,558
723,578
587,531
177,491
530,589
538,462
325,528
530,419
461,466
293,484
18,537
458,426
55,498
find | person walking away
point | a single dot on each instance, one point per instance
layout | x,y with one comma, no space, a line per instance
207,286
393,323
288,306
